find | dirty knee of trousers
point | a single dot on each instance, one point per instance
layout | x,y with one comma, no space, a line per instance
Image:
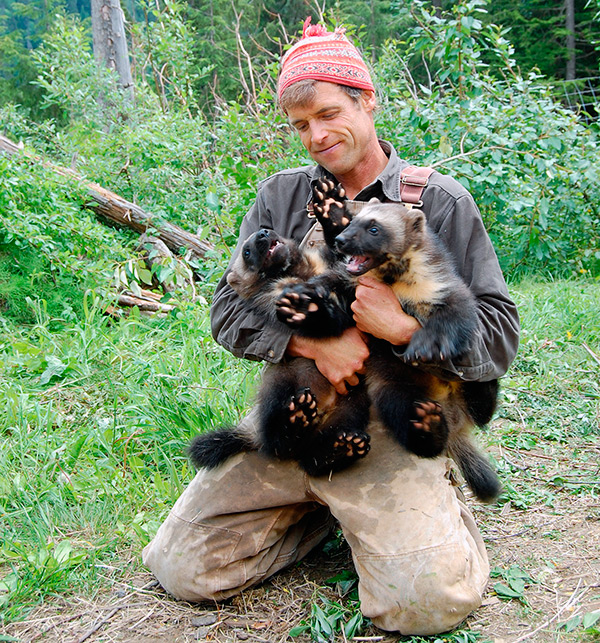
423,593
234,526
199,562
420,559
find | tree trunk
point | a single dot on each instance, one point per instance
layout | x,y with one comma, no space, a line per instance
112,207
110,43
570,27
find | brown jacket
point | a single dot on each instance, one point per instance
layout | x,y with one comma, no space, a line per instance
281,205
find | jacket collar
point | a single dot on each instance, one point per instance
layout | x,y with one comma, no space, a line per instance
385,187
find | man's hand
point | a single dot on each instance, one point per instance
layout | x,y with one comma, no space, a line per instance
339,359
378,312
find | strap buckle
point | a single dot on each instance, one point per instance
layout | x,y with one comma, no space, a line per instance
415,180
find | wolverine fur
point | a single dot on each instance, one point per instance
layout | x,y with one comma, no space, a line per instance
300,415
394,245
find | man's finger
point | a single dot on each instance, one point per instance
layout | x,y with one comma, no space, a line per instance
369,282
341,388
353,380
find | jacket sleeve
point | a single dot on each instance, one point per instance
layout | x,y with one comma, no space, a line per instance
233,324
458,223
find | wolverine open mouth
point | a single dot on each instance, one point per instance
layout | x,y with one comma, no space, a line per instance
273,253
359,264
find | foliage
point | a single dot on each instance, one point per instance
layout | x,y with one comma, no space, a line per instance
329,619
588,622
531,165
538,29
26,278
81,90
162,45
22,26
36,214
94,418
515,582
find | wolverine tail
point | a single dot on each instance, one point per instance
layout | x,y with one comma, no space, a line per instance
211,449
476,469
481,399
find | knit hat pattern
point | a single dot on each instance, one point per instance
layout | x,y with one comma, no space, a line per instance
324,55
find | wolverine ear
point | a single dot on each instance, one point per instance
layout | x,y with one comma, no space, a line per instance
416,219
233,279
374,200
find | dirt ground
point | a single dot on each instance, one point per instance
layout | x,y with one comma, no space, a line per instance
557,545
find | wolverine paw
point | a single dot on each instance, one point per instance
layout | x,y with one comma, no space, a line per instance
303,408
427,348
336,452
428,432
296,304
351,445
328,204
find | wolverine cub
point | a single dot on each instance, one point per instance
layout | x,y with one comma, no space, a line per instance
394,245
300,415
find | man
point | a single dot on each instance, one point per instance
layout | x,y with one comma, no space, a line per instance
421,561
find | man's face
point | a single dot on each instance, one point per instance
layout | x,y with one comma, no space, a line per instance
337,131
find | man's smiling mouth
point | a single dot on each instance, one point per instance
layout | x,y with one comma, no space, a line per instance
327,149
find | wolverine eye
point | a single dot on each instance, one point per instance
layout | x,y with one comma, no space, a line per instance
247,252
374,229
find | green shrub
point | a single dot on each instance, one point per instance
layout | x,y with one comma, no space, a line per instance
531,165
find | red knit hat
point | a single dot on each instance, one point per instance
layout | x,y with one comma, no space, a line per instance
322,55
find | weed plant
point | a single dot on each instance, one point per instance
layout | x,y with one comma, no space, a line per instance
96,413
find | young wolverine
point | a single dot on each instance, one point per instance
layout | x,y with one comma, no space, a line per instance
394,245
300,415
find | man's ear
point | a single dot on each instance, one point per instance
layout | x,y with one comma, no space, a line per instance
369,100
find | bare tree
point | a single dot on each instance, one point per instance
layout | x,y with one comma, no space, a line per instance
110,43
570,28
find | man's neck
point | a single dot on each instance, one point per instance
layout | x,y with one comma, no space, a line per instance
365,173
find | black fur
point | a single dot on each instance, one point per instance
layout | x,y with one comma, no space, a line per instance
301,417
395,245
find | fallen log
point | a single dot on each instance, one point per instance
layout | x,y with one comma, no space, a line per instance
111,206
146,301
143,302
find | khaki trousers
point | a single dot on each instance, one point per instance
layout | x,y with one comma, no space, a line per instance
420,559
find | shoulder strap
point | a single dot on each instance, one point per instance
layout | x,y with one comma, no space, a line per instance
413,180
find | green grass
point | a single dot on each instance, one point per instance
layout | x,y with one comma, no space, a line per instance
94,421
95,416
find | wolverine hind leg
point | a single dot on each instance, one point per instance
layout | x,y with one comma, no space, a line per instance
286,422
341,436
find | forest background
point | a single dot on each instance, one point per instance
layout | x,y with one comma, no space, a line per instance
98,401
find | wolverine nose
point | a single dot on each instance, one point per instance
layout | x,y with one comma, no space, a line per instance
341,240
263,234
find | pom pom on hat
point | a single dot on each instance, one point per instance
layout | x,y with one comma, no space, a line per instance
324,55
313,30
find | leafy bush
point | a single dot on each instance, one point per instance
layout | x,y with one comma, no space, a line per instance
41,210
531,165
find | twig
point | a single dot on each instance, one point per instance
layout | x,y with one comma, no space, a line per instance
141,620
591,352
99,624
52,626
569,603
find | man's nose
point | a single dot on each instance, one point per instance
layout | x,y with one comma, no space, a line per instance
318,132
